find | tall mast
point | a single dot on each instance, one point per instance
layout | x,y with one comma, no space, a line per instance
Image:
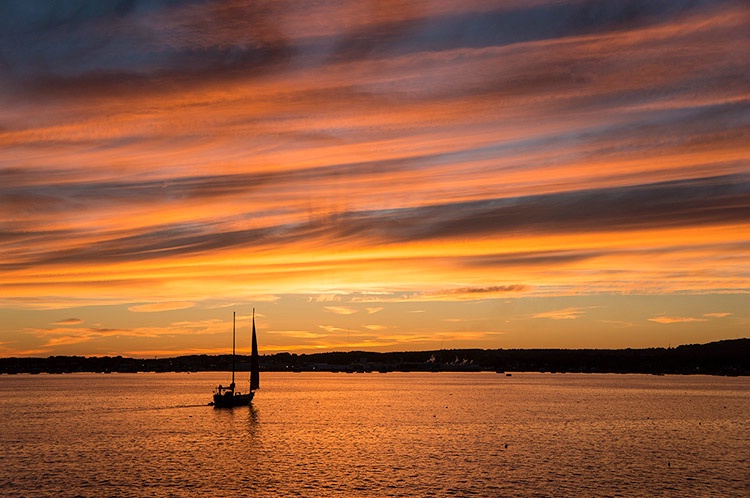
234,333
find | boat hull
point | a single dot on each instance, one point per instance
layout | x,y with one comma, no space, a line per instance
229,400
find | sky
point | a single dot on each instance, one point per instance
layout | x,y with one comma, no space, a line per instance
383,175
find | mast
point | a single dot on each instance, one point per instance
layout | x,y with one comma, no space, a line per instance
234,333
254,366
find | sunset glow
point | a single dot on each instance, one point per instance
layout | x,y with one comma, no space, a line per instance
384,175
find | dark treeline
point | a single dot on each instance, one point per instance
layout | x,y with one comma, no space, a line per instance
730,357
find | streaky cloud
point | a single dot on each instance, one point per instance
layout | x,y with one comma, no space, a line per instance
694,202
340,310
471,293
158,307
675,319
572,313
703,201
137,45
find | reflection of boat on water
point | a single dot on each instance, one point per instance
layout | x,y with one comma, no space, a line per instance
228,397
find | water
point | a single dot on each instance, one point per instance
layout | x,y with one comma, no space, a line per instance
395,434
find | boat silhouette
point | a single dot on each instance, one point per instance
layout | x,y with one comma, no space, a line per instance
229,397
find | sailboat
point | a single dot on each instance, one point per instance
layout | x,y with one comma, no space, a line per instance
228,397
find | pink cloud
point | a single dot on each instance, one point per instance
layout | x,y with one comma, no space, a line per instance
676,319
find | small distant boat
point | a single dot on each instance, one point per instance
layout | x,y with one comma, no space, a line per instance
229,397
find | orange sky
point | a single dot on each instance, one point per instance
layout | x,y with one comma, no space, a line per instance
383,175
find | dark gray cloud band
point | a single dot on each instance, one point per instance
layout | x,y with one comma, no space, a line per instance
82,47
699,202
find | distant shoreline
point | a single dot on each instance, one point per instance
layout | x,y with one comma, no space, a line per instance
727,358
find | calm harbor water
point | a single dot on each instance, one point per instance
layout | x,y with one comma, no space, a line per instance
395,434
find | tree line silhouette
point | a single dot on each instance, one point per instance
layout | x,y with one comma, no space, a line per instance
728,357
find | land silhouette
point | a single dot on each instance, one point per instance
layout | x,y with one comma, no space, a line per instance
728,357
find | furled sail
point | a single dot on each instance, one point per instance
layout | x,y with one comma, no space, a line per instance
254,366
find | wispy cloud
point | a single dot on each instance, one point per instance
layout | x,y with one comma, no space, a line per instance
297,334
471,293
326,298
377,328
618,323
571,313
676,319
340,310
334,330
157,307
69,321
67,335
